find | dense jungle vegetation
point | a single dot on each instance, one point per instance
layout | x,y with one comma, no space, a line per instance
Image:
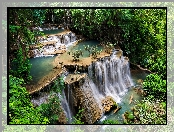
140,33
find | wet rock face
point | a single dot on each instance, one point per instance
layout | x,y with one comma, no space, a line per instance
83,98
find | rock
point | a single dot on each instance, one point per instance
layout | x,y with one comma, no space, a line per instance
139,81
62,118
131,99
123,117
117,109
108,103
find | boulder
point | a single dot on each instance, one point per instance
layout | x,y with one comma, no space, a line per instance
108,103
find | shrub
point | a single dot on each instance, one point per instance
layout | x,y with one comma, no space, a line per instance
155,86
150,112
21,110
51,109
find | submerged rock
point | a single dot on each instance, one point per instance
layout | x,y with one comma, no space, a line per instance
131,99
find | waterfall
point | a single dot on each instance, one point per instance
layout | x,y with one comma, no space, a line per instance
111,75
65,106
107,77
54,44
72,37
67,39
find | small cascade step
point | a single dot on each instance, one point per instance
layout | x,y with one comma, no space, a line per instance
52,44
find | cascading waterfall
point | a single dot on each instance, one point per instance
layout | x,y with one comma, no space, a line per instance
111,75
57,41
108,76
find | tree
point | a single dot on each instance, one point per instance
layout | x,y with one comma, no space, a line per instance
21,36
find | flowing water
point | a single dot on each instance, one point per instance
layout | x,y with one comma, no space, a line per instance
41,66
54,44
109,76
136,75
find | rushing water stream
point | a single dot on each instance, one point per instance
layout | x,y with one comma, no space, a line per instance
109,76
136,75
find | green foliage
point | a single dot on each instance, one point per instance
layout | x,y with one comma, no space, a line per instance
87,48
115,104
155,86
77,119
21,67
150,112
58,85
51,109
20,37
93,23
39,15
14,28
141,33
110,122
21,110
108,47
76,55
144,34
129,116
59,12
93,51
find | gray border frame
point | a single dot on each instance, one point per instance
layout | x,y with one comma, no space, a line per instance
91,128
